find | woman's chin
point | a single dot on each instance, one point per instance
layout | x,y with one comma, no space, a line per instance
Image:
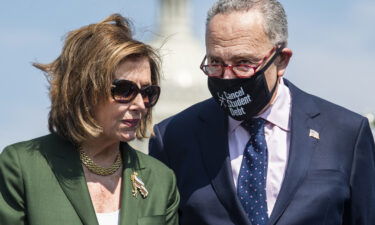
128,136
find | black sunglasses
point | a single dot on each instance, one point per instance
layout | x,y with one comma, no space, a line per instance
125,91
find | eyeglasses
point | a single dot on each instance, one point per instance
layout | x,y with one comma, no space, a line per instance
240,70
125,91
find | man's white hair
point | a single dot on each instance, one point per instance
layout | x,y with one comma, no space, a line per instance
275,21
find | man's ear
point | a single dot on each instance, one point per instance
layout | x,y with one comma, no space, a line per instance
283,61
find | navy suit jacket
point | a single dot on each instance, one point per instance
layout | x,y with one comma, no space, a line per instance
330,180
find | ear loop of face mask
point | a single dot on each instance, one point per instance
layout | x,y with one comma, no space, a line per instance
268,64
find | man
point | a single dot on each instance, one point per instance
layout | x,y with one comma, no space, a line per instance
262,151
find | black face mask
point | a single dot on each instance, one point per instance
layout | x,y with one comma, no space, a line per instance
243,98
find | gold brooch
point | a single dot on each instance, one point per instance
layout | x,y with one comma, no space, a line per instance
138,186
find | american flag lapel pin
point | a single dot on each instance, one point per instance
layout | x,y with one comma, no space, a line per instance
314,134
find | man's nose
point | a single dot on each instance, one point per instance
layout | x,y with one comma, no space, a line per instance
228,72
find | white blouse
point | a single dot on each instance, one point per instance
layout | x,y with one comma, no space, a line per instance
112,218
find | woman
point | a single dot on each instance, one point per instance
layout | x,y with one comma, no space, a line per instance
102,89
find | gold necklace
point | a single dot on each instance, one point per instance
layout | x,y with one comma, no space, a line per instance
99,170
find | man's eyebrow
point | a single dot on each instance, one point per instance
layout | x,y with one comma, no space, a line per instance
214,58
237,56
245,56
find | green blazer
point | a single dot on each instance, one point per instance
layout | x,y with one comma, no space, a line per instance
42,183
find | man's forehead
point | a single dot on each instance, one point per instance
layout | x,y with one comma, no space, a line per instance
234,25
236,34
236,21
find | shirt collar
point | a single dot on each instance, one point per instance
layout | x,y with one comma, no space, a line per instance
278,113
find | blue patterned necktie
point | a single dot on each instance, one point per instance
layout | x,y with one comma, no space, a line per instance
251,186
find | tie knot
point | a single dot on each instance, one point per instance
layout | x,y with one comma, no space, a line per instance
254,125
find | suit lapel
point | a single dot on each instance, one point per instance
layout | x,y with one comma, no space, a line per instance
129,204
214,148
65,164
302,145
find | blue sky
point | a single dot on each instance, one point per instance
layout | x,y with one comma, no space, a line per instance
333,44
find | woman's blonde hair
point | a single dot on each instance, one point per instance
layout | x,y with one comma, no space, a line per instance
82,76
